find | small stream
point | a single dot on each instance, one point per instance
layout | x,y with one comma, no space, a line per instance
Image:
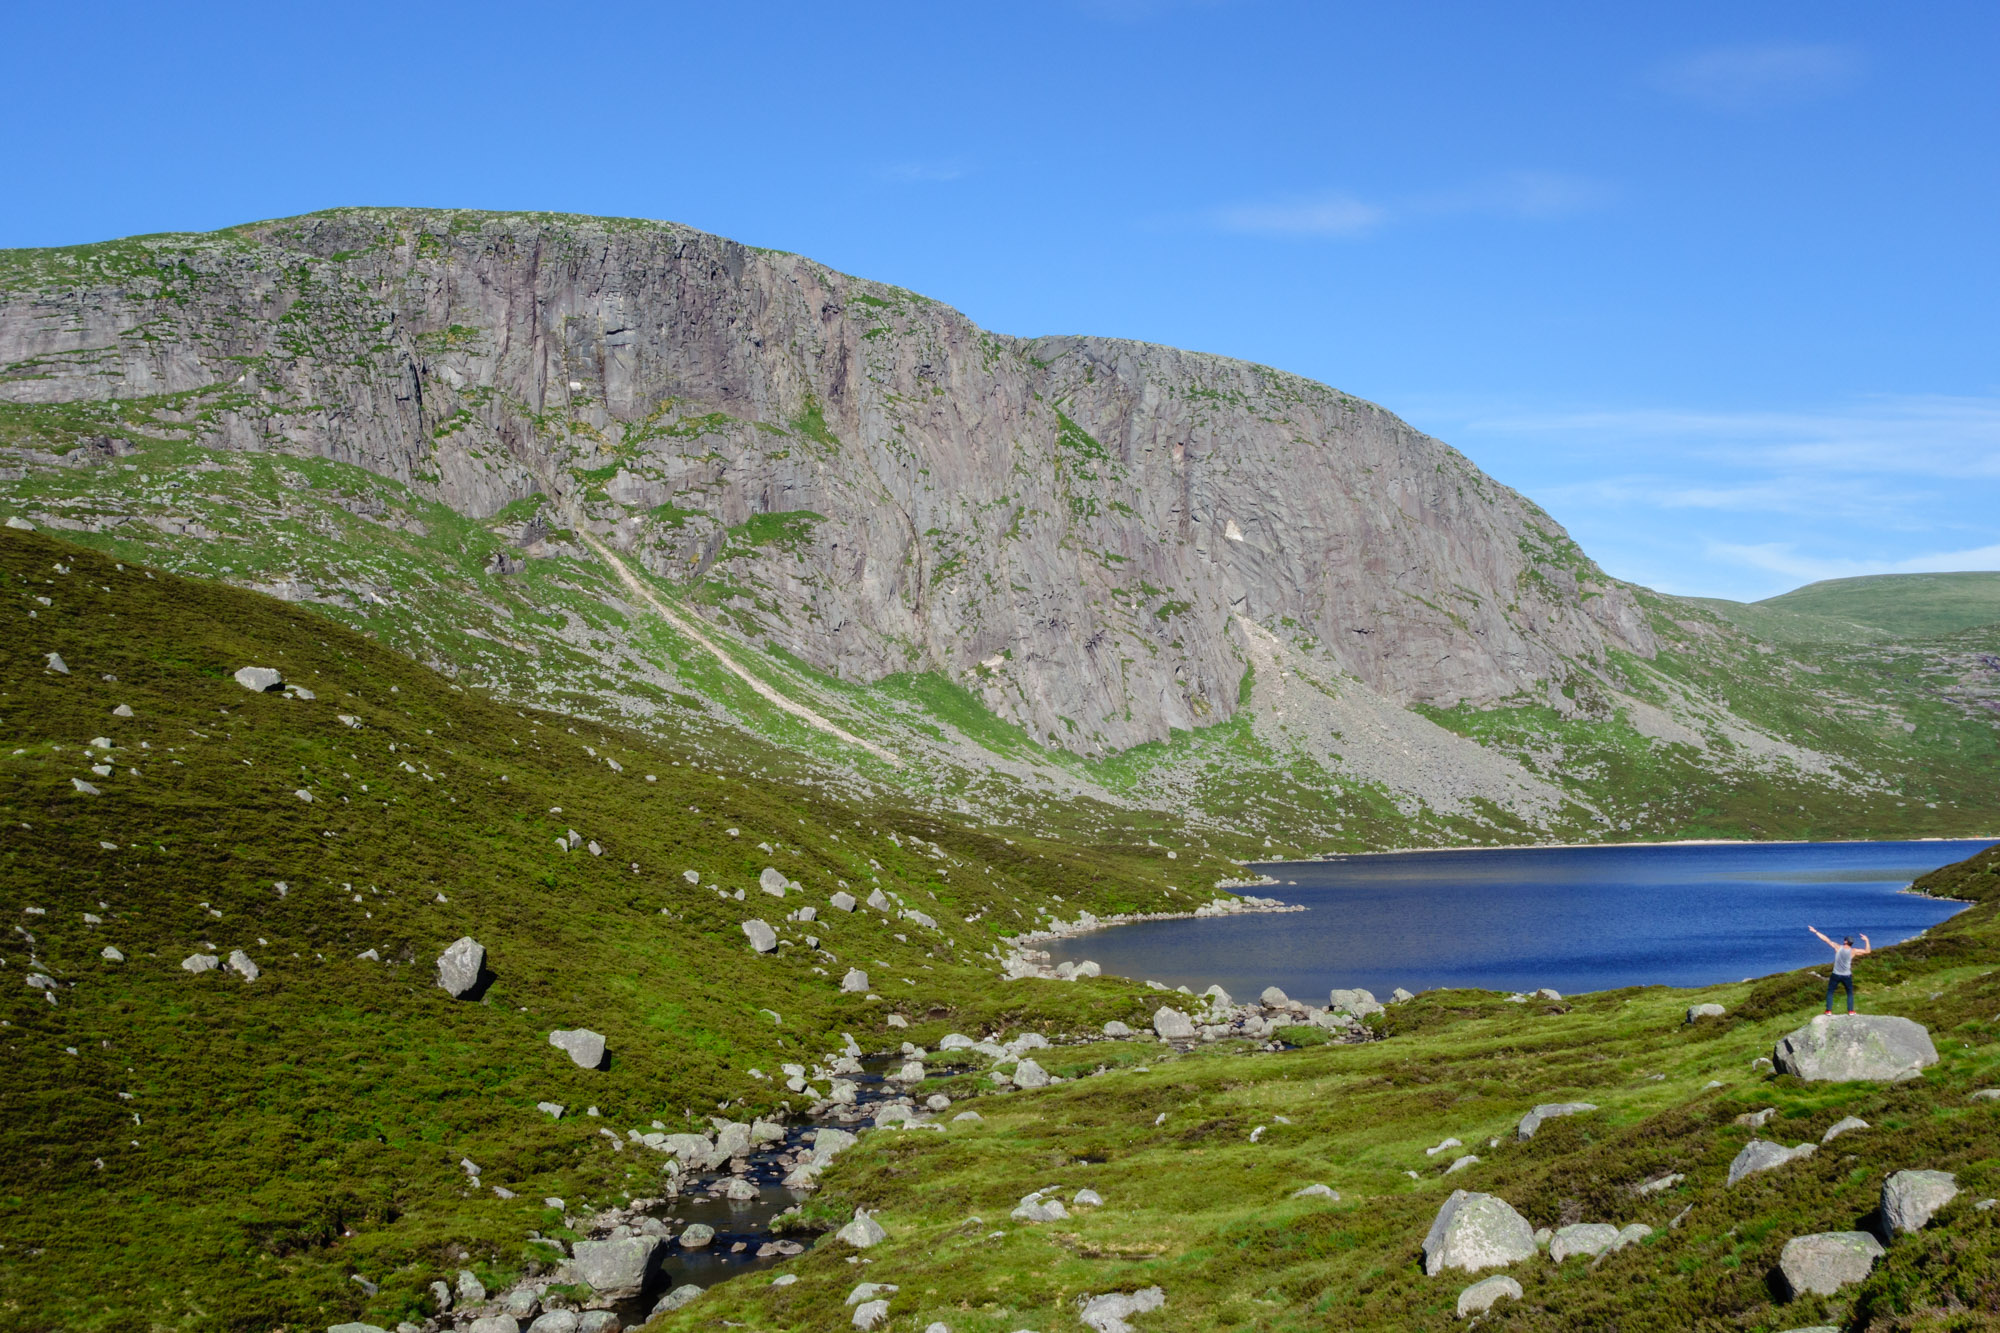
743,1241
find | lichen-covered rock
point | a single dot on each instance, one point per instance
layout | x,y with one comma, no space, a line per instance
1582,1238
1845,1125
259,680
1822,1264
1111,1313
458,966
616,1269
1532,1121
862,1232
1482,1295
1475,1231
1762,1155
584,1047
1910,1199
1846,1048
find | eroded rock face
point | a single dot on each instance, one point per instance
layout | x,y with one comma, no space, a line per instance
1845,1048
1475,1231
481,358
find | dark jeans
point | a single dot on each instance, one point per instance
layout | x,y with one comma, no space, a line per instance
1835,983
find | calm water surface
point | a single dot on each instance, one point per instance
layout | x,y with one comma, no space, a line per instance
1575,918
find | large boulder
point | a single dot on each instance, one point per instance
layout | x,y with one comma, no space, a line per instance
675,1299
862,1232
1028,1074
1532,1121
1697,1012
1847,1048
1761,1155
1822,1264
1173,1025
459,966
1482,1295
1360,1003
585,1047
615,1269
772,881
762,938
260,680
1475,1231
1910,1199
855,982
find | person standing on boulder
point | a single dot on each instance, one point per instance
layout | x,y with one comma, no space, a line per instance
1844,954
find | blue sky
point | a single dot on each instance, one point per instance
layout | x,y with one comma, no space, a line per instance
1716,284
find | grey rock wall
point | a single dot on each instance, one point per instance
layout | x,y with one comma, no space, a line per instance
1074,528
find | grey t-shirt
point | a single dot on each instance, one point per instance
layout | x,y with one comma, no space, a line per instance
1843,960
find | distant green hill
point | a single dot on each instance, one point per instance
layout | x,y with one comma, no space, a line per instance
1909,605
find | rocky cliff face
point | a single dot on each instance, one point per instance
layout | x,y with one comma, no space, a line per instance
1080,529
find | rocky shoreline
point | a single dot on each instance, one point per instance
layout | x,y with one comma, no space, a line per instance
1020,961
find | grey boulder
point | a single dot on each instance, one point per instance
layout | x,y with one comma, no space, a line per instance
1699,1011
1846,1125
843,901
356,1328
1108,1313
616,1269
1359,1003
1761,1155
676,1298
1910,1199
1173,1025
471,1291
598,1321
1475,1231
458,966
1582,1238
1114,1028
1822,1264
259,680
200,962
855,982
585,1047
762,938
1484,1294
1836,1048
1532,1121
862,1232
772,882
697,1236
241,964
495,1323
555,1321
1028,1074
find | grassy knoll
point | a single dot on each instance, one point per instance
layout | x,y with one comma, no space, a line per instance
1907,605
1192,1205
201,1151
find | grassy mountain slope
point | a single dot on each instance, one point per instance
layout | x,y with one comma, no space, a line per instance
282,1133
1907,605
1195,1206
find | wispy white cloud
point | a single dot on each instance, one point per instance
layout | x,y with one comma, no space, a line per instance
1928,436
921,172
1748,503
1316,215
1784,558
1747,78
1530,195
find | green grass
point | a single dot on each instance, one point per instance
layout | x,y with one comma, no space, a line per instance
309,1125
1907,605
